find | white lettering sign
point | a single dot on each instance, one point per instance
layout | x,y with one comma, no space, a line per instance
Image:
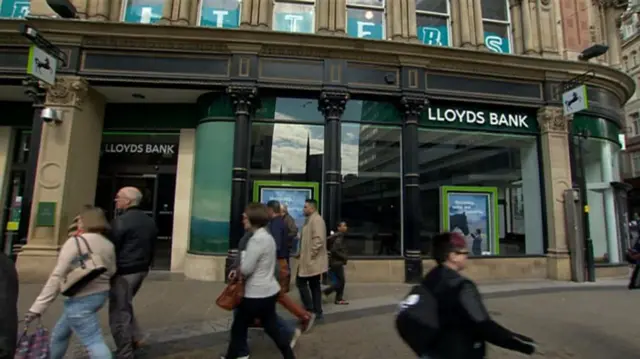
145,15
477,117
494,43
139,148
293,19
220,14
361,30
431,36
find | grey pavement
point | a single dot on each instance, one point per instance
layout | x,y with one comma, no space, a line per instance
180,313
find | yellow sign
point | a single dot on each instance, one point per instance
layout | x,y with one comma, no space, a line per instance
586,209
12,226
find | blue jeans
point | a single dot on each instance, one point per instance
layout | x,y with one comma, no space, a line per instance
282,325
80,316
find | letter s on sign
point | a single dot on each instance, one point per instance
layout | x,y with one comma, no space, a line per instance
494,43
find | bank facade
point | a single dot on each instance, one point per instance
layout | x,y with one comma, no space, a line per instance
400,139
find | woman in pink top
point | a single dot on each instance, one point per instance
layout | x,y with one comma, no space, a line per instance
80,314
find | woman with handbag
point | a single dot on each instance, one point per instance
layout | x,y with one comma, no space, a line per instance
85,264
261,288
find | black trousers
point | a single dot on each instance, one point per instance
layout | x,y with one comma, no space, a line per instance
122,321
310,293
247,312
338,286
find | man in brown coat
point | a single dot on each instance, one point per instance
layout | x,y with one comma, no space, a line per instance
313,258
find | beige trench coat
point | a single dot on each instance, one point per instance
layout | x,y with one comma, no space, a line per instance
314,258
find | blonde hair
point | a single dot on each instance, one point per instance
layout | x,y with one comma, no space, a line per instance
94,221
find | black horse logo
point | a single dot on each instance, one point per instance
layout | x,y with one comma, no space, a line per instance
573,100
42,65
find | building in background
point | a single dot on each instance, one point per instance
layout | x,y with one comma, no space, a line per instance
402,117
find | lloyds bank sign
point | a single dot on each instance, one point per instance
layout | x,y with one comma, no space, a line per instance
490,119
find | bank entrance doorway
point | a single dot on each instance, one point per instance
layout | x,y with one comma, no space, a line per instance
147,162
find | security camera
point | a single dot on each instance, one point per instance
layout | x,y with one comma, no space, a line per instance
50,115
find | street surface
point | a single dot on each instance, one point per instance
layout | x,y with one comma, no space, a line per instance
569,320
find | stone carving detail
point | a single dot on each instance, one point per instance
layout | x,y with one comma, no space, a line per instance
551,119
545,2
67,91
332,104
147,44
243,98
616,4
412,106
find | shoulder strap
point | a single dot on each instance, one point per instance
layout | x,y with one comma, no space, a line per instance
85,243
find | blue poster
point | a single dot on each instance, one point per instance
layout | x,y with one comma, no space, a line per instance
14,8
144,11
366,24
293,198
294,22
220,13
434,35
470,215
496,43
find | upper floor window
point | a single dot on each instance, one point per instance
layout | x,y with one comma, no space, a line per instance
142,11
14,8
497,25
365,18
220,13
635,123
434,24
294,16
629,26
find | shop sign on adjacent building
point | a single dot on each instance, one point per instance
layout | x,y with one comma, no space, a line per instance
14,8
503,120
220,13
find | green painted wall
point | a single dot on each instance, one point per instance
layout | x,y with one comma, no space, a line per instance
597,127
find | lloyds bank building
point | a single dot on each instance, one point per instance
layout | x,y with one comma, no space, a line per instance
403,118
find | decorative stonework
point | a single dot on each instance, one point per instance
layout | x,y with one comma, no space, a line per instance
67,92
149,44
243,98
551,119
412,106
616,4
332,104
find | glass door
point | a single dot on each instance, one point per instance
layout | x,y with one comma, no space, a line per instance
147,184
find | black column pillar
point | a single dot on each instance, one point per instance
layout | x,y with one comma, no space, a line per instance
412,107
243,99
332,104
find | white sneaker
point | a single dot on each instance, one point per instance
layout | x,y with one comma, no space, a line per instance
296,335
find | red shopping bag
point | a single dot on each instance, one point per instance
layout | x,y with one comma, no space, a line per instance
33,345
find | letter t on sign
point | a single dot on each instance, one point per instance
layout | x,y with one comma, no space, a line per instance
220,14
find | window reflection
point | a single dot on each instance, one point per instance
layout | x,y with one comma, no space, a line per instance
371,190
478,161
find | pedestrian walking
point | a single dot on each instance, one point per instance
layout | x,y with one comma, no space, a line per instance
292,229
134,236
462,323
313,260
80,310
337,260
8,307
261,289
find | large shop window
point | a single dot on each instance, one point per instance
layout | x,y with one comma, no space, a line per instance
601,160
220,13
496,21
365,19
434,24
142,11
294,16
14,8
485,185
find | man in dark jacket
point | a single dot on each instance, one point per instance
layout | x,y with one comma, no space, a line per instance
8,307
465,324
134,235
337,260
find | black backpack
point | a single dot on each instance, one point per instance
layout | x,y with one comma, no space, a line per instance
417,320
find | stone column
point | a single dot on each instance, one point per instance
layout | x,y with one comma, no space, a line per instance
411,106
478,25
331,17
527,28
517,30
332,104
466,23
116,10
612,19
243,99
181,12
167,12
455,23
97,10
401,20
66,173
557,179
183,199
547,36
256,14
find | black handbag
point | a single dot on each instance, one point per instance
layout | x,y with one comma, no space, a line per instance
634,282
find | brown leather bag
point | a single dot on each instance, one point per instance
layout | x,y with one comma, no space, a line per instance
231,295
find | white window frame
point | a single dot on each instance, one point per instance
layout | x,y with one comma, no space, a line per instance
439,14
500,22
369,7
199,15
295,2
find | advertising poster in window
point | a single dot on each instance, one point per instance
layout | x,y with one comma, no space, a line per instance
143,11
291,194
220,13
293,18
472,211
14,8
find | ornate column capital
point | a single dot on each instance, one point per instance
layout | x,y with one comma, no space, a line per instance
68,91
243,98
412,107
332,104
616,4
551,119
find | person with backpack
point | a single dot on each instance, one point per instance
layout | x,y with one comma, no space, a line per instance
444,317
